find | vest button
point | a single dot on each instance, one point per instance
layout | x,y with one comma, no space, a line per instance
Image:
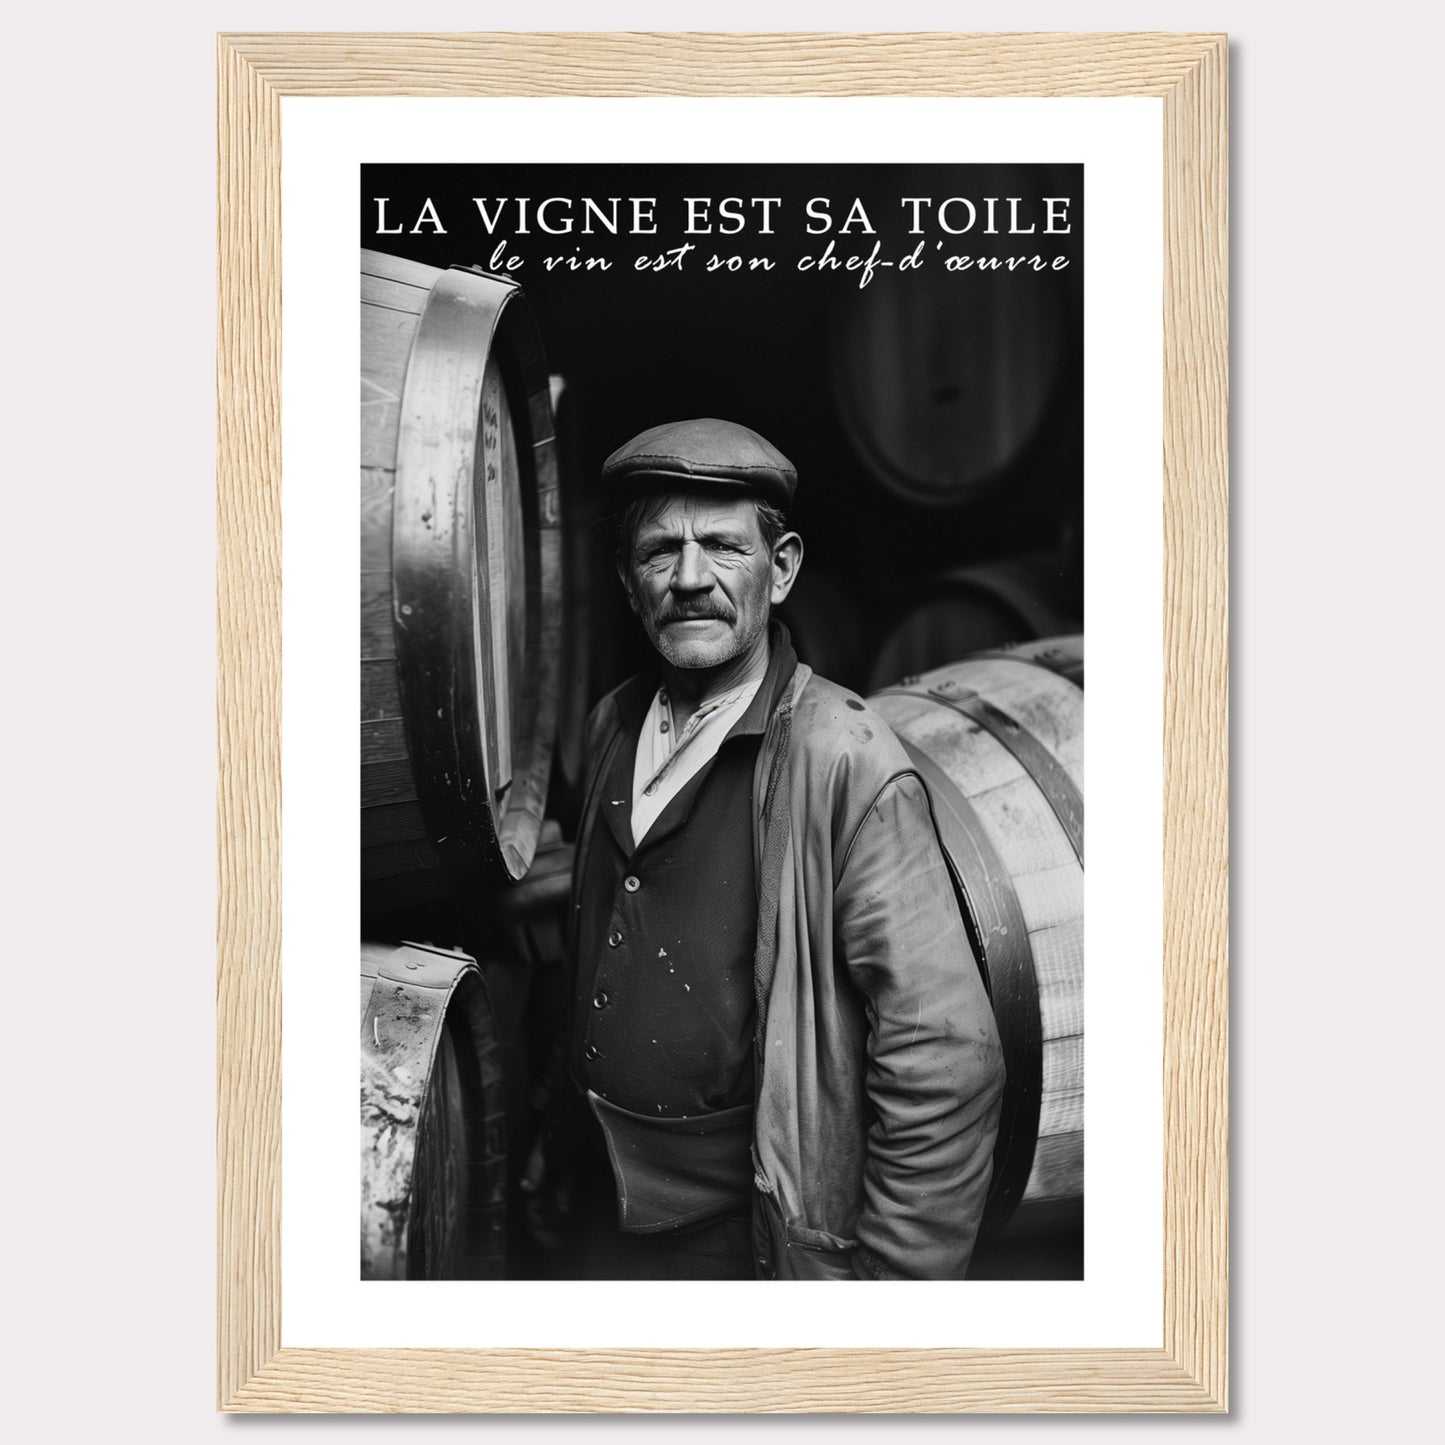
590,1051
631,883
614,938
599,999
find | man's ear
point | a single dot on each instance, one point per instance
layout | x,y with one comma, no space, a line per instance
624,574
787,563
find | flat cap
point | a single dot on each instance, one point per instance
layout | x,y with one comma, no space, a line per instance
705,451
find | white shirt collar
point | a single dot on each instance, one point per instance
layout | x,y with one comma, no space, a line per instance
666,759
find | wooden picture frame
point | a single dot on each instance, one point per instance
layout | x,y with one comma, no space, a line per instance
1189,1373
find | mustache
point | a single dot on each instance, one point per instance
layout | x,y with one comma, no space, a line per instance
706,612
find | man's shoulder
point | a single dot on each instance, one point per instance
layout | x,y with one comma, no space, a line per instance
832,722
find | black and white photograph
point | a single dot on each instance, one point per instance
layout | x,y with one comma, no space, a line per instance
722,721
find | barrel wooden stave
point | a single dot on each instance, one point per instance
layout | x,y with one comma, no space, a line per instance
377,486
390,312
383,740
1063,655
978,784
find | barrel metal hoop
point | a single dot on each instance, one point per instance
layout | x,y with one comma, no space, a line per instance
996,921
440,594
1054,782
416,965
433,579
416,990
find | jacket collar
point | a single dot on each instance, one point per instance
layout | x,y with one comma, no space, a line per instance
782,663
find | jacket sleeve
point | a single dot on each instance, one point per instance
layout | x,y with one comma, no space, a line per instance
934,1074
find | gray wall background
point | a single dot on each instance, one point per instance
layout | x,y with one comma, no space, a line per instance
108,582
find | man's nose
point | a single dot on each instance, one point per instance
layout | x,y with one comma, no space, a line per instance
692,573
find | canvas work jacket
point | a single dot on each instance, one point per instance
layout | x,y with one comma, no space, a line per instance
879,1071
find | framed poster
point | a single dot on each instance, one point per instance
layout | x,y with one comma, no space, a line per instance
747,247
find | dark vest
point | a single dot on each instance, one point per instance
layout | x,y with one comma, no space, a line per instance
664,1011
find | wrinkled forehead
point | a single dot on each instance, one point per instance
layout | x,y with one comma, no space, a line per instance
693,514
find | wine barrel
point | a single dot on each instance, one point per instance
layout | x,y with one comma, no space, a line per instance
942,380
1063,655
999,742
433,1130
967,610
460,576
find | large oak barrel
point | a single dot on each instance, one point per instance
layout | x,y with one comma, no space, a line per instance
433,1126
973,609
460,576
1063,655
941,380
999,742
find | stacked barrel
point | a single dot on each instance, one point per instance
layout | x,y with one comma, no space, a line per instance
461,680
461,587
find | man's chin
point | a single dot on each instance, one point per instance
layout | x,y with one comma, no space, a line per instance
695,655
691,646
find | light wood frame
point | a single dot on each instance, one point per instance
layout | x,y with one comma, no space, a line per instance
1189,71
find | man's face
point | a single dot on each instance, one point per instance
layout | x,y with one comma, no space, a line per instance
701,579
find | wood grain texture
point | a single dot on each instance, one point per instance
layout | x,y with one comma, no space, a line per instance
591,63
248,600
721,1381
1189,1373
1196,722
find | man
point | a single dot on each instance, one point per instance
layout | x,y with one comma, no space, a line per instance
788,1059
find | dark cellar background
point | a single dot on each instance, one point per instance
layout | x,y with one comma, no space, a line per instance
773,349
